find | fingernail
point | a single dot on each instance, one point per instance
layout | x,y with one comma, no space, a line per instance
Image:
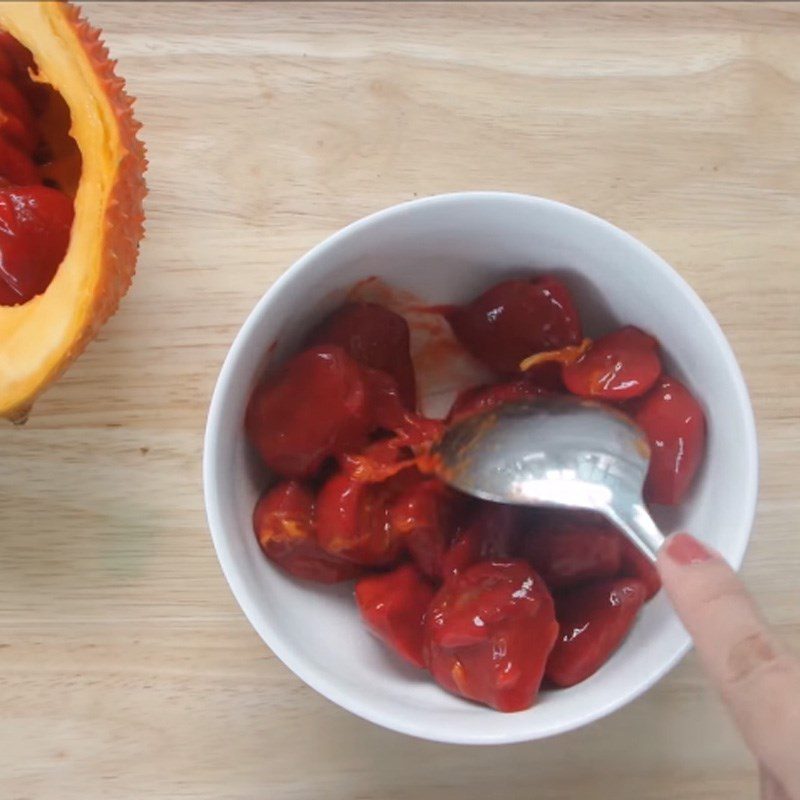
685,549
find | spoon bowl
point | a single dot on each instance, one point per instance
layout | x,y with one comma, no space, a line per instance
562,452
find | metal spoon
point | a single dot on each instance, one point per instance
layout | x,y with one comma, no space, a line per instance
560,452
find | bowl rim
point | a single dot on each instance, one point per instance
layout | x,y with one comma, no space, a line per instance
316,679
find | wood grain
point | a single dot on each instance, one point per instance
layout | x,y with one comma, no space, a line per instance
126,669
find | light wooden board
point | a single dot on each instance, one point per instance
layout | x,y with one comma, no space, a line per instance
126,669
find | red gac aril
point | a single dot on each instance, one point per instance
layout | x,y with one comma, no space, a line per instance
424,516
13,101
515,319
593,621
16,63
283,521
488,633
315,407
376,337
393,606
489,533
7,68
17,123
411,429
15,131
353,518
35,224
412,433
570,548
475,399
676,429
16,167
635,564
618,366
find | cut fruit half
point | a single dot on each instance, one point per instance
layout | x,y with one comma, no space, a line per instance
55,74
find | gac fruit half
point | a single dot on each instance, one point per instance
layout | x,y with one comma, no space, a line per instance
71,192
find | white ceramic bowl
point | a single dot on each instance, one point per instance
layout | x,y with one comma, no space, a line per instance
447,249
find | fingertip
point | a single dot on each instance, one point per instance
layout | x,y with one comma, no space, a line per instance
689,570
683,549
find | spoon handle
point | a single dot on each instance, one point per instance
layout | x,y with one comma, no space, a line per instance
637,524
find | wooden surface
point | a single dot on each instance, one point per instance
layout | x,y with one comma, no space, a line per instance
126,669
